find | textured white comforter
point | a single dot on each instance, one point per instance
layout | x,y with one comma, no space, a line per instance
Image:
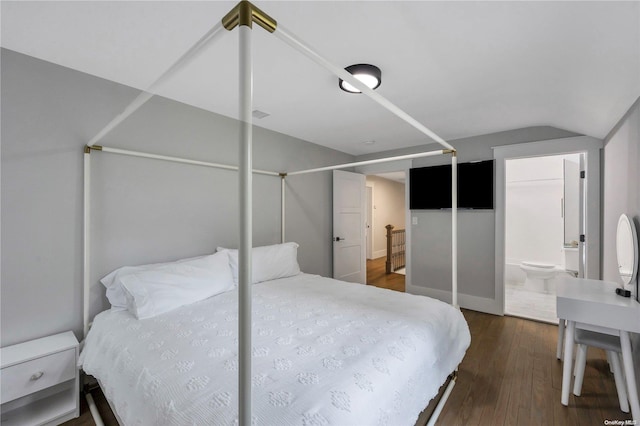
325,352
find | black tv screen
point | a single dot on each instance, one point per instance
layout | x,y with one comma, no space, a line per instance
430,187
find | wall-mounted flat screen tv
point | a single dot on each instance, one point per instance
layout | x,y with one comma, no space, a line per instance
430,187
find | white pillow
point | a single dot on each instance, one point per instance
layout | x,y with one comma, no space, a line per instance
269,262
112,281
161,289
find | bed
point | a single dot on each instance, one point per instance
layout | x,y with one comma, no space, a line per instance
400,372
324,352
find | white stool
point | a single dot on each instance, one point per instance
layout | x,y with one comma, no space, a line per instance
609,343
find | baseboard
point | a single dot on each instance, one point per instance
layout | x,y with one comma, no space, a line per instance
475,303
379,253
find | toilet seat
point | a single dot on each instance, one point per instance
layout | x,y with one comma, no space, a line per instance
538,265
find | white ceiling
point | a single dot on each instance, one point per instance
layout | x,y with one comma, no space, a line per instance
460,68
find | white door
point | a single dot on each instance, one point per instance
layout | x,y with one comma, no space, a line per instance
349,197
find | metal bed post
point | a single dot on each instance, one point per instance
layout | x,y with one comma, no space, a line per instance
86,228
454,229
86,258
246,228
243,16
283,222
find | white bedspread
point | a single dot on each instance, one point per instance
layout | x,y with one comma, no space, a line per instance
325,352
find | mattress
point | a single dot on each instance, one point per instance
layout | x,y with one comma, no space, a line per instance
325,352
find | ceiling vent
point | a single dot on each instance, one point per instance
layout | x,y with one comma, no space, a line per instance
259,114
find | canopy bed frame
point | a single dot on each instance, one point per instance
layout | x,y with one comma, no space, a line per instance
243,16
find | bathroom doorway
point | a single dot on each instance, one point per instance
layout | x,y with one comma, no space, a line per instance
543,219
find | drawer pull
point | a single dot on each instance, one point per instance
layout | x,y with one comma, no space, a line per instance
37,375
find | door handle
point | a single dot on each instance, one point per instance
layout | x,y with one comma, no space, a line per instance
338,239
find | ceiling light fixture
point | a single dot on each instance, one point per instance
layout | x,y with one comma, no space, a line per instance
368,74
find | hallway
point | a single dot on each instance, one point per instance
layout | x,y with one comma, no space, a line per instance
376,276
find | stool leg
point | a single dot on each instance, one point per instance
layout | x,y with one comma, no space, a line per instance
581,363
561,326
577,365
609,361
619,379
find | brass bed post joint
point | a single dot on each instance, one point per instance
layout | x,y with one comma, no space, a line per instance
245,13
87,148
453,152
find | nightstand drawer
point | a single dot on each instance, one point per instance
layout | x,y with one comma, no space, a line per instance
40,373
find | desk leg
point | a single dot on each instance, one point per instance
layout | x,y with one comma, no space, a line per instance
567,361
560,338
632,387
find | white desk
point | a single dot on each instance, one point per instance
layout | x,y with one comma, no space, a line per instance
595,303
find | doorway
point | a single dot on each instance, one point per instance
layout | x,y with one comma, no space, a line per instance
589,244
543,203
369,222
386,205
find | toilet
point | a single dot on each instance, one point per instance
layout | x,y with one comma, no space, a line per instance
538,275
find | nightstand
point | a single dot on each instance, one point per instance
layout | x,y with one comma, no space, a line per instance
39,381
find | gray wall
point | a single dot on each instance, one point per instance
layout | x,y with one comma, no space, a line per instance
143,210
431,237
621,185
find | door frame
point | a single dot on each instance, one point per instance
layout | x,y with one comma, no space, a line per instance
592,147
397,166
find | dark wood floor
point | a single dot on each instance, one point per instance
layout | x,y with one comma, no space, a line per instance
510,376
377,276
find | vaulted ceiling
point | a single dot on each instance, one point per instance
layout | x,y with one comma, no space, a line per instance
460,68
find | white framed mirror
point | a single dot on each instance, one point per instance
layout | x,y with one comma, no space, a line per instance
627,249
